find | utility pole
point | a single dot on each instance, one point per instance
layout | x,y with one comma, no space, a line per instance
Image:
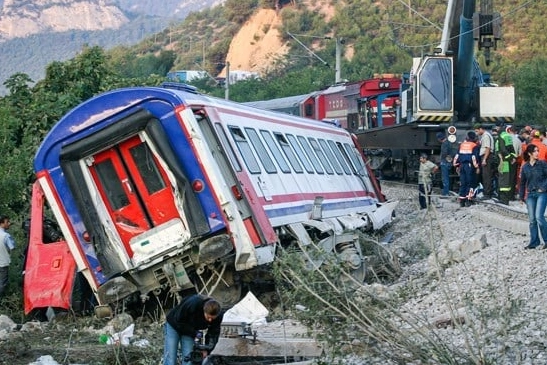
203,54
339,43
227,82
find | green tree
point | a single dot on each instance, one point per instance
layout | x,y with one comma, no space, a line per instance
531,95
239,11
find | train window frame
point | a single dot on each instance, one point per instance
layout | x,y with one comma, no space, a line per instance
334,146
245,150
147,167
330,155
275,149
228,149
321,155
310,154
355,157
261,151
300,154
347,158
113,186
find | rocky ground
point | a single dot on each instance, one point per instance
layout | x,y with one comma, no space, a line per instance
481,277
483,293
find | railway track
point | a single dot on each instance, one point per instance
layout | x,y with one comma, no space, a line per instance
515,210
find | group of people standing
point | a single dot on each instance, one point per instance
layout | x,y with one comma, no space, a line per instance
491,159
508,165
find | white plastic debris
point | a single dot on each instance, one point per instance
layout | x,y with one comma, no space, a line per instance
45,360
247,310
121,338
141,343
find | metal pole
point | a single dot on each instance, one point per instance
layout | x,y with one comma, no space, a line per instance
337,77
227,82
203,54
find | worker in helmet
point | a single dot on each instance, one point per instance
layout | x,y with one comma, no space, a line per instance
467,163
507,165
536,139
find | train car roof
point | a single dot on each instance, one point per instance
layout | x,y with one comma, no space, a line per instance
79,122
280,102
334,89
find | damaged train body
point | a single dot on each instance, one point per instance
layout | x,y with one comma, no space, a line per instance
163,189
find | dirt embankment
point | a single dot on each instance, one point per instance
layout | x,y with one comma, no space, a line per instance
259,43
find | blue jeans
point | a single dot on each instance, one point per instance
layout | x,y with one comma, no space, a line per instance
170,349
445,177
536,204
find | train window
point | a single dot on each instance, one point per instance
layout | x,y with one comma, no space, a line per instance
435,91
299,152
261,151
276,152
356,159
346,157
147,167
333,161
341,159
227,147
287,150
308,110
321,154
112,184
309,152
245,149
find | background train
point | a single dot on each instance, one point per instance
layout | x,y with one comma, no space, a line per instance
445,91
353,105
162,189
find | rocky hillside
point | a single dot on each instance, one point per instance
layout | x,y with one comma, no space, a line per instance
168,9
21,19
258,43
35,33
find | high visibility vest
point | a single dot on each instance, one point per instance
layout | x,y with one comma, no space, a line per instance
467,147
465,153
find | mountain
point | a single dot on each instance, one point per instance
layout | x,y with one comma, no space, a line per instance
168,9
36,33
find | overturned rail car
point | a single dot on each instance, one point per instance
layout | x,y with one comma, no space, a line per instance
162,189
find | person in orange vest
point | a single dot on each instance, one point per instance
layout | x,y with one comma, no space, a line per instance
536,139
467,163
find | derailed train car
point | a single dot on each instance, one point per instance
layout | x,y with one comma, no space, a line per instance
162,189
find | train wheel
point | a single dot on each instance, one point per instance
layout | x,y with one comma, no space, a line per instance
352,263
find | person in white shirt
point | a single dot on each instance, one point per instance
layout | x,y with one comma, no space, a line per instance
424,180
7,244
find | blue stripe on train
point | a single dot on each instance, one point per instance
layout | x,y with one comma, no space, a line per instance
306,208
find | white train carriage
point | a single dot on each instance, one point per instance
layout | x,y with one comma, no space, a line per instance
166,189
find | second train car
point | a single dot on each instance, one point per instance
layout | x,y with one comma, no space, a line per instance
354,106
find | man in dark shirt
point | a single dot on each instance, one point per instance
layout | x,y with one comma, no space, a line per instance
183,322
446,162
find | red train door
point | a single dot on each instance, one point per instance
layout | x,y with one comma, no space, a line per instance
134,188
